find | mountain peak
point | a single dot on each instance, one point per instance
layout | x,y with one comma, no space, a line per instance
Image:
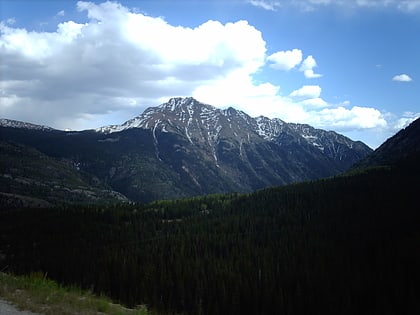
206,126
178,102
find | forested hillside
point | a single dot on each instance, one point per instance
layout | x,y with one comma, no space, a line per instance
346,245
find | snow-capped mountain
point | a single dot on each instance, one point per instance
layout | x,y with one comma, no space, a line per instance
205,125
204,122
185,148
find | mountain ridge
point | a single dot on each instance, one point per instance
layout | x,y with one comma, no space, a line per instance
201,117
186,148
4,122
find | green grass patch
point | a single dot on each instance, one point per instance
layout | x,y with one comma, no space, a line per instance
38,294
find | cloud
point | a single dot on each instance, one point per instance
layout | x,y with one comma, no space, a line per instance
315,103
265,4
61,13
307,91
404,122
289,59
347,119
308,96
409,5
402,78
11,21
307,68
117,62
311,5
285,60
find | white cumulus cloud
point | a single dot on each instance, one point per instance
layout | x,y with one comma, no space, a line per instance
285,60
290,59
346,119
117,62
307,68
402,78
309,97
307,91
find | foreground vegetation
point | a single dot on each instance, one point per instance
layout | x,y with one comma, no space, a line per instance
36,293
347,245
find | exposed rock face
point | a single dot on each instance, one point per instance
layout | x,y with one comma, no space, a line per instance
185,148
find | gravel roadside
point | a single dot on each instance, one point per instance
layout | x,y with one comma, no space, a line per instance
8,309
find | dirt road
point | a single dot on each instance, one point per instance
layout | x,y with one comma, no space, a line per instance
8,309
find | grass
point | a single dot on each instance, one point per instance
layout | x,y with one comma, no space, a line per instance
38,294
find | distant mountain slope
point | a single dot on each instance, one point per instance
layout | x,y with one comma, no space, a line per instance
403,147
32,179
186,148
20,124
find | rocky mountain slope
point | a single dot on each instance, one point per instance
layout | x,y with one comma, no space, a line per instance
403,147
205,125
184,148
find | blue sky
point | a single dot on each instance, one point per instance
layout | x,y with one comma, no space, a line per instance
350,66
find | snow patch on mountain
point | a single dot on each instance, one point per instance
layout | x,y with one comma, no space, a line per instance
24,125
203,124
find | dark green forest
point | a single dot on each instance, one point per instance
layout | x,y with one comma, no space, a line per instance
343,245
